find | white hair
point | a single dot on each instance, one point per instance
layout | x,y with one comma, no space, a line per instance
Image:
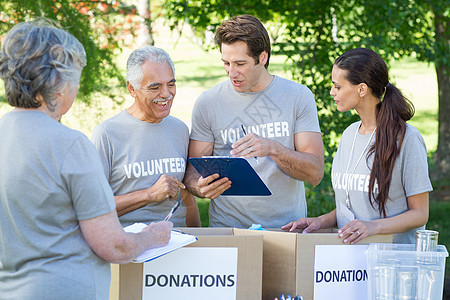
39,59
138,57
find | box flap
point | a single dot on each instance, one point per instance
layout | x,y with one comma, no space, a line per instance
279,259
206,230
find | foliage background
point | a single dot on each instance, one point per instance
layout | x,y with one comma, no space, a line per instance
103,27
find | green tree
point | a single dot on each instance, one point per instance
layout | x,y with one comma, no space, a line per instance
442,62
402,28
312,33
101,26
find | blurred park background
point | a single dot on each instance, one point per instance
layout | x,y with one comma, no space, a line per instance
412,36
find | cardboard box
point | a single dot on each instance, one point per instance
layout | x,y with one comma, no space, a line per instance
127,280
288,259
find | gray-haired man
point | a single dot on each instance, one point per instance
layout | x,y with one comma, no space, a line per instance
143,149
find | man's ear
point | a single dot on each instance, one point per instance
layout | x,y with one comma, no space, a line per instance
131,89
363,89
263,58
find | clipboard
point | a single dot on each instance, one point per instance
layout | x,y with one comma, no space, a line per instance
244,180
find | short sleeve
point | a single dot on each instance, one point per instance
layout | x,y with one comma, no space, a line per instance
306,112
201,125
415,176
82,170
103,145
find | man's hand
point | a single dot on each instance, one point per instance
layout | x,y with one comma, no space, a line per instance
307,224
166,186
214,189
252,145
305,162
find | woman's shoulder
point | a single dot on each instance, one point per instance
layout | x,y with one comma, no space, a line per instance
412,132
351,128
71,135
50,129
412,135
61,138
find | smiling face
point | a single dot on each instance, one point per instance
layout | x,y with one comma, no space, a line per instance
345,95
155,97
245,75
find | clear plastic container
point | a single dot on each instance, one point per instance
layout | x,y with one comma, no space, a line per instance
398,271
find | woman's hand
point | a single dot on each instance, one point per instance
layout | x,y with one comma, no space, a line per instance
355,231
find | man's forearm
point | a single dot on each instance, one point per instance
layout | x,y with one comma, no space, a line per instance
300,165
191,181
131,201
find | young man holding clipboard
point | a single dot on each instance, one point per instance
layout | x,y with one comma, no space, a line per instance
266,119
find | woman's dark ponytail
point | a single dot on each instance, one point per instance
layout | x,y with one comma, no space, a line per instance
391,116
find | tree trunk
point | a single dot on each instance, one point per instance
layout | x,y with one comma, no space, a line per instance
442,155
145,36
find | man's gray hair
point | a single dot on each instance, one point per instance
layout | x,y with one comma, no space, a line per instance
138,57
37,60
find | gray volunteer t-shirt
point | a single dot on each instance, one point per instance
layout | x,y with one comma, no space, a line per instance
135,154
409,177
280,111
50,178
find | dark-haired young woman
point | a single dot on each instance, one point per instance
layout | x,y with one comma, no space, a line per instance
380,172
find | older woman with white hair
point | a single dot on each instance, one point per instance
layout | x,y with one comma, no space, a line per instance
58,223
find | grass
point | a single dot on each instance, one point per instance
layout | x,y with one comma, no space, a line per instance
417,80
203,206
439,221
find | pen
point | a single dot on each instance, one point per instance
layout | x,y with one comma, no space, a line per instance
174,208
245,133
